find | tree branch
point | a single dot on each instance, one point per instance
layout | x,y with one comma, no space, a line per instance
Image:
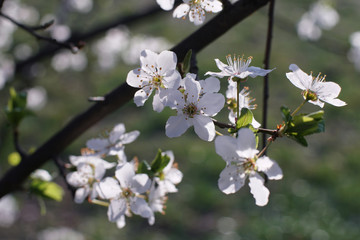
118,97
73,47
266,66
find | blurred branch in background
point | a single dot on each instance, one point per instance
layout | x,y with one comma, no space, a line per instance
215,28
72,46
48,51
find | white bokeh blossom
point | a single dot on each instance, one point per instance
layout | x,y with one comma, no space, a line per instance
197,9
89,171
240,155
166,4
157,72
194,109
113,143
315,89
238,67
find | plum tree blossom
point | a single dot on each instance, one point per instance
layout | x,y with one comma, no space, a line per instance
238,67
197,9
114,143
170,175
90,170
124,191
194,110
244,102
158,72
315,89
242,161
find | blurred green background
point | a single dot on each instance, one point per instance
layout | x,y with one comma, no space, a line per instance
319,196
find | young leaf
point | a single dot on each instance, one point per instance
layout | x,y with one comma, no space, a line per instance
47,189
16,108
144,167
159,162
245,118
285,113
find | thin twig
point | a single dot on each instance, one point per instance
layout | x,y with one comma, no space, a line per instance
266,66
74,47
17,145
59,164
223,125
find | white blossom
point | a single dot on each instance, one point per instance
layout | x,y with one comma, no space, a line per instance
240,155
9,211
193,110
60,233
315,89
124,193
158,72
114,143
237,67
197,9
244,102
170,175
89,171
42,175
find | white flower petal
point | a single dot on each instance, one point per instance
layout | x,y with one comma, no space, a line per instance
148,60
335,101
299,78
256,71
204,127
166,62
140,207
134,78
117,132
181,10
172,80
116,209
158,106
225,146
230,181
176,126
108,188
192,89
120,223
327,90
81,194
142,95
211,103
210,85
97,144
269,167
140,183
174,175
125,174
245,141
258,190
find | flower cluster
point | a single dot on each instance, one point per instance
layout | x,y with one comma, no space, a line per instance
135,188
197,101
195,8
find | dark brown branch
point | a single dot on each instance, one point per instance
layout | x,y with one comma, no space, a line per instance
215,28
223,125
1,4
74,47
267,66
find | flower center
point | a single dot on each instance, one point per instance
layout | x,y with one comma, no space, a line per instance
309,95
249,166
157,81
191,110
126,192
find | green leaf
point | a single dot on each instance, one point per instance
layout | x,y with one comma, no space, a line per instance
16,108
144,167
305,124
285,113
46,189
187,61
246,117
14,158
160,162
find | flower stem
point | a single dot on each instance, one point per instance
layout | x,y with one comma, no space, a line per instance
265,148
298,108
98,202
237,101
